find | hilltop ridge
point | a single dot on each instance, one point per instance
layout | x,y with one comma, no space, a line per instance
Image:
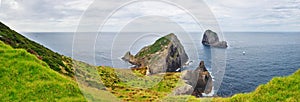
26,78
57,62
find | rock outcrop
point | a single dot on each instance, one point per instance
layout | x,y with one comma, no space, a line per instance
165,55
196,81
211,38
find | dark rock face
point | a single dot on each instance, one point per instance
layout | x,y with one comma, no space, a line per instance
165,55
204,82
211,38
196,82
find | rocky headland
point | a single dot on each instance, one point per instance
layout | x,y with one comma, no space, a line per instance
211,39
168,55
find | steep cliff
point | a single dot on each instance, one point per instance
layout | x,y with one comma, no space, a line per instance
166,55
196,81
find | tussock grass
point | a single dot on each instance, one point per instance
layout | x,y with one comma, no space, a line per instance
125,85
279,89
23,77
55,61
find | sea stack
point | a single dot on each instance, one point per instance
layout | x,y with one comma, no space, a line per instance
166,55
211,39
197,81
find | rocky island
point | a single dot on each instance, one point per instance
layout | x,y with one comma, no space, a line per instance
211,39
165,55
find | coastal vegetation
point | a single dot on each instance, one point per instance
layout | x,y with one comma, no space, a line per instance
130,87
57,62
279,89
158,45
24,77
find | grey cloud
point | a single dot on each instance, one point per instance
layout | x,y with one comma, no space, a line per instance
39,15
249,15
64,15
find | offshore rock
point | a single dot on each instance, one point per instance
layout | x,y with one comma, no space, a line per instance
211,38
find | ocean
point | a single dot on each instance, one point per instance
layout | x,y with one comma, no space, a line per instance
252,58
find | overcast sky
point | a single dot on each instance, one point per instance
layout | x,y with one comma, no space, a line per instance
232,15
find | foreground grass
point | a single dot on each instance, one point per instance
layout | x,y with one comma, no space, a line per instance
54,60
128,86
279,89
26,78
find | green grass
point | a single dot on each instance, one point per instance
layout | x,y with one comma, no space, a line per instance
157,46
23,77
55,61
128,86
279,89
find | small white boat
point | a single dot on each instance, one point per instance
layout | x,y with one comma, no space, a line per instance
244,53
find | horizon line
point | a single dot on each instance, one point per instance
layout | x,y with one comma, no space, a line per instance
160,32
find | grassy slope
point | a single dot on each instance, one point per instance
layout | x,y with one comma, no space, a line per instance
127,86
26,78
158,45
27,75
278,89
55,61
